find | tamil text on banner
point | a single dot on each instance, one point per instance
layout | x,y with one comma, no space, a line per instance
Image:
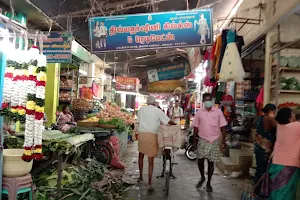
57,47
167,86
127,84
169,72
151,31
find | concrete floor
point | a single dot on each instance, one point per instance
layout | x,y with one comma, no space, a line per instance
183,188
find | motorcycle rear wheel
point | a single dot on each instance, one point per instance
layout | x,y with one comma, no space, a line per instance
190,153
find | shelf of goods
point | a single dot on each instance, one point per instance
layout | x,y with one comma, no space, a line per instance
68,86
247,92
285,81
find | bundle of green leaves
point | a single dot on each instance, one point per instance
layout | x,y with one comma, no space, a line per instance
79,183
116,122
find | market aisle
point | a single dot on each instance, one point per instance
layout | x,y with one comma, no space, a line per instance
183,188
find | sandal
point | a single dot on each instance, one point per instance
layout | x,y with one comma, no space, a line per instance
200,183
209,188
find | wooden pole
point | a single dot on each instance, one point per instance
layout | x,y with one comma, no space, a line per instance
277,68
198,4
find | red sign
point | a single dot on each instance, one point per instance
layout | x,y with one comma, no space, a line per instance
127,84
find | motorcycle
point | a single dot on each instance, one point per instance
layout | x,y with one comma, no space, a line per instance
188,145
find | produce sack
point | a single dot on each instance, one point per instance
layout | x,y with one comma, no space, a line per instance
86,92
114,140
115,162
169,136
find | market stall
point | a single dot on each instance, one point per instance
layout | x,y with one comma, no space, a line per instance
112,118
48,158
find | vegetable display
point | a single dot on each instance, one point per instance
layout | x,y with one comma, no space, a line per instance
289,105
112,111
81,104
289,84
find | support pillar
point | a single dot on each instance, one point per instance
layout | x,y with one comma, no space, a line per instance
91,73
52,92
102,81
2,71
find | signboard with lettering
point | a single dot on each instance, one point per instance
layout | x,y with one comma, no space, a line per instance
167,86
127,84
169,72
151,30
57,47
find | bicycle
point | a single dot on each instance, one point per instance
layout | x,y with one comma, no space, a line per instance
167,167
169,138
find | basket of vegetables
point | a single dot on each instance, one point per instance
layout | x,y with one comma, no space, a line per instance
91,121
81,104
110,124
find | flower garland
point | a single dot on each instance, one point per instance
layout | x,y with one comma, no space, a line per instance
24,97
30,111
14,90
35,107
39,108
7,88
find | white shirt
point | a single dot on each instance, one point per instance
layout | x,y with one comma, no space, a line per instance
149,119
102,30
178,112
97,31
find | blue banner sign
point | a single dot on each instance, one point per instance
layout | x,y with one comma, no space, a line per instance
57,47
169,72
151,31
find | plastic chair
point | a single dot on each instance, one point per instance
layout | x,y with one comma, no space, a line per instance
18,185
20,191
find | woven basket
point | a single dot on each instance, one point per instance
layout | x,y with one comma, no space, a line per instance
107,126
87,124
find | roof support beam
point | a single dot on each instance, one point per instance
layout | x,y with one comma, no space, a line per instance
84,12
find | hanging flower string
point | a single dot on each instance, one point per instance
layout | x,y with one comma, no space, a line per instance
30,111
7,89
39,108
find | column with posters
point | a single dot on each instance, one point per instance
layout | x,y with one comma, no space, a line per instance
192,28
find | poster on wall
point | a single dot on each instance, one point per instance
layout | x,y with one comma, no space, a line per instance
151,31
169,72
57,47
129,84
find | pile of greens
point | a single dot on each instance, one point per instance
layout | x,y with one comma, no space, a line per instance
289,84
116,122
13,142
89,181
58,146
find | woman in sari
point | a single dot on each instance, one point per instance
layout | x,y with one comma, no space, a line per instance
264,141
66,119
285,168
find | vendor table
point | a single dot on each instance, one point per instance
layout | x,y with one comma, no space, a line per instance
123,136
59,157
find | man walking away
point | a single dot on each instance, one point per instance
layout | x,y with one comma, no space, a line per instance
149,119
176,113
208,123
